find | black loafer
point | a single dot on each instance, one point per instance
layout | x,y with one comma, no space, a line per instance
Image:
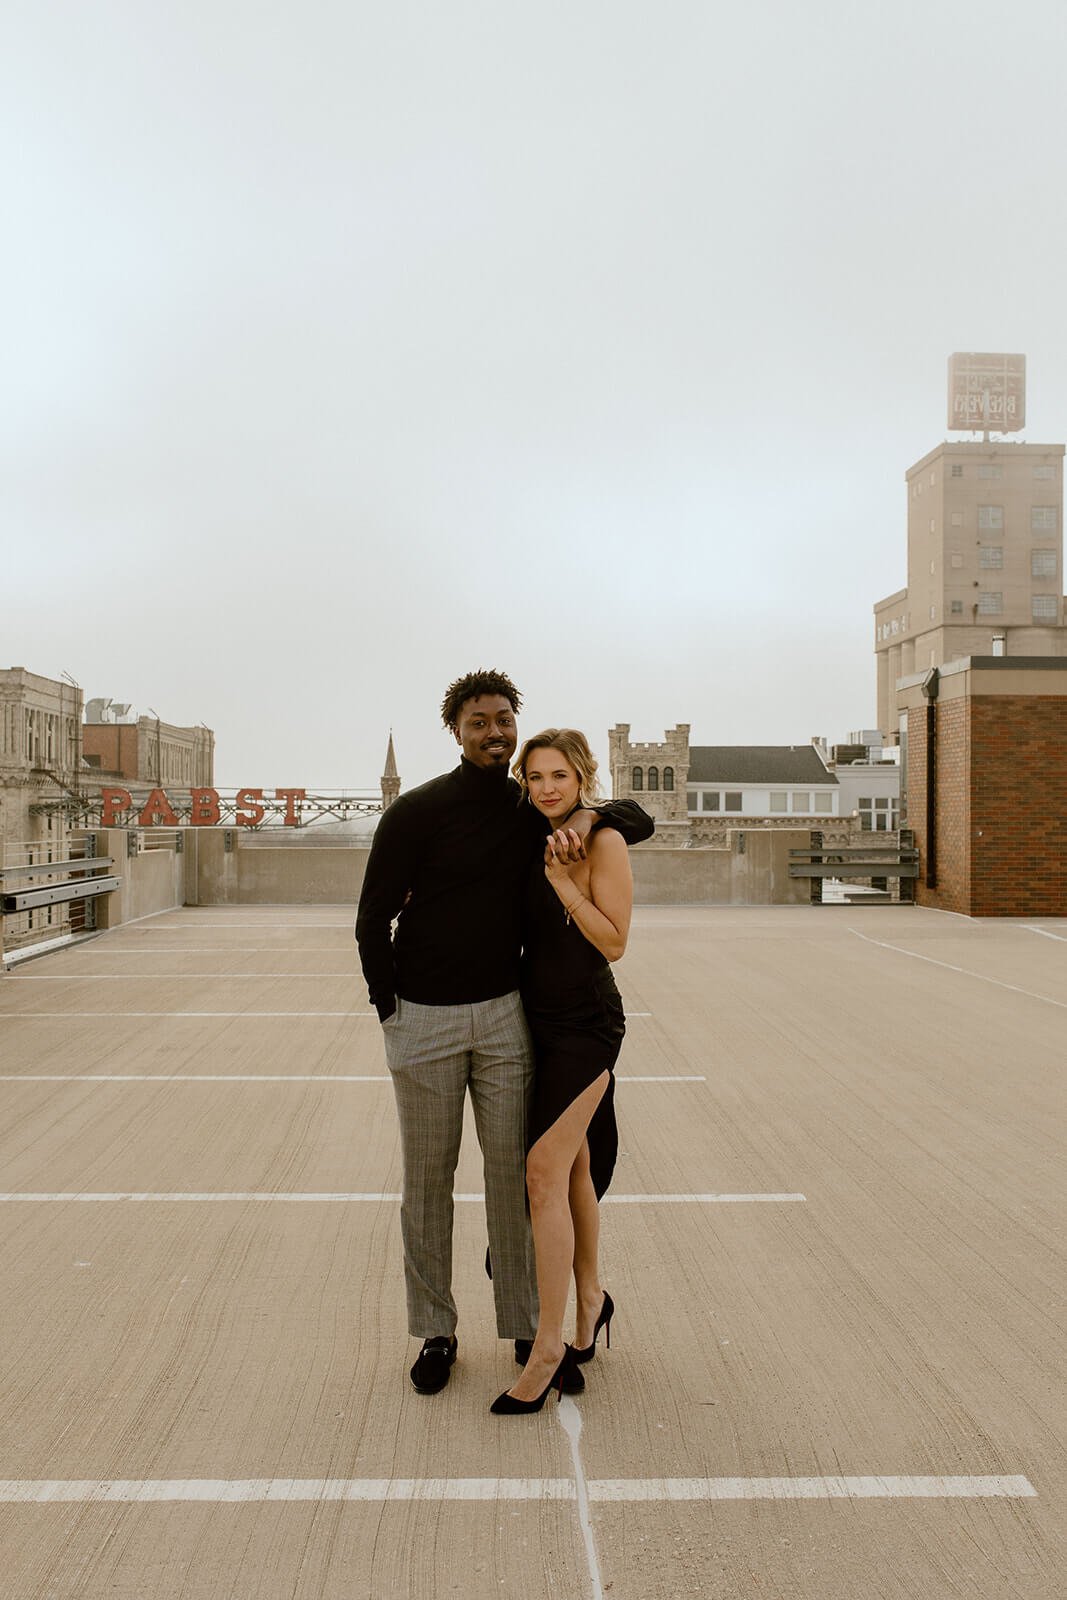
433,1366
573,1376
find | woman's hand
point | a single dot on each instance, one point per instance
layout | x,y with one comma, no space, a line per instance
559,851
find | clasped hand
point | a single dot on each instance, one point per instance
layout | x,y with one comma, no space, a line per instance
563,849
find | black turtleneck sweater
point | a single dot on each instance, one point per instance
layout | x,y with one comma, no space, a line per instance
448,863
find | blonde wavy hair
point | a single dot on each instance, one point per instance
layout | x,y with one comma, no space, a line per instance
571,744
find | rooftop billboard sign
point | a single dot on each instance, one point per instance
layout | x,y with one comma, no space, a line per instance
986,392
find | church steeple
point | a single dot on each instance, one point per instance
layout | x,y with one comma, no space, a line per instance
390,780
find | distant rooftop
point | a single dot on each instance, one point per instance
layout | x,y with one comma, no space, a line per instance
757,763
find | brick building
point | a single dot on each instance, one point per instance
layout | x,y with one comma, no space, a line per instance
985,759
146,750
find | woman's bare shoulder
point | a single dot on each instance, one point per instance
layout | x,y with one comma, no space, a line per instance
606,845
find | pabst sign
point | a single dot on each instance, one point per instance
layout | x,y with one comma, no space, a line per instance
203,810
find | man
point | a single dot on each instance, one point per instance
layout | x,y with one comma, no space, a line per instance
449,863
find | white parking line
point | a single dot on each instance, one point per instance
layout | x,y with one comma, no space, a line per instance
220,1197
111,1015
192,1077
50,1491
1046,933
570,1420
1031,994
10,1016
260,1077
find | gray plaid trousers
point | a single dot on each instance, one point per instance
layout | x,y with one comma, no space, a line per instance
436,1054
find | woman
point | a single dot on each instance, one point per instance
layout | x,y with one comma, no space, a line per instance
577,921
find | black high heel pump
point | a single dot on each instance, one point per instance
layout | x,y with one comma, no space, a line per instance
607,1311
506,1405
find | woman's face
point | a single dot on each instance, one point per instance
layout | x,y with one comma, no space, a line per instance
552,783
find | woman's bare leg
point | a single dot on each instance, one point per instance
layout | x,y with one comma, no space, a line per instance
548,1168
585,1214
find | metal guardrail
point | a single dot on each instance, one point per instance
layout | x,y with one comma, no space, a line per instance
875,863
855,861
72,879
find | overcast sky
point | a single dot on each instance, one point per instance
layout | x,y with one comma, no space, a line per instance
352,346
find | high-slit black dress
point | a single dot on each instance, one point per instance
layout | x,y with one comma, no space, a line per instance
576,1020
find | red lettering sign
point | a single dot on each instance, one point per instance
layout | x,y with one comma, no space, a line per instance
255,813
204,811
291,796
115,801
157,808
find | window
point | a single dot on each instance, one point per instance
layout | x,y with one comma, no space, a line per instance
801,800
778,801
1043,607
957,560
990,602
637,778
933,477
990,470
957,519
1043,519
711,799
653,778
933,568
933,524
933,613
824,802
732,800
991,555
668,779
957,472
692,800
878,815
957,608
1044,472
1042,563
991,517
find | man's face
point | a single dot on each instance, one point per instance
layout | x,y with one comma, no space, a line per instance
486,731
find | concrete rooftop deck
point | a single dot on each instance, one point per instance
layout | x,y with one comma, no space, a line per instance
844,1382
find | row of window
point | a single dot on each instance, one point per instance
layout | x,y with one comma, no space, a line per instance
1043,563
1043,519
993,469
778,800
1043,607
986,469
640,779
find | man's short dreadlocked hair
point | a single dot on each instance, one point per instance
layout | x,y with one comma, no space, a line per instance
470,687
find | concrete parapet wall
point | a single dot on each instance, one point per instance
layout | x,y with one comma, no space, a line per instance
259,873
752,868
151,882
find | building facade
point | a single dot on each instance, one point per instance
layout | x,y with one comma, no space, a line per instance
985,563
698,793
985,748
40,753
146,751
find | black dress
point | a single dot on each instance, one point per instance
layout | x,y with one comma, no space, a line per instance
576,1020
